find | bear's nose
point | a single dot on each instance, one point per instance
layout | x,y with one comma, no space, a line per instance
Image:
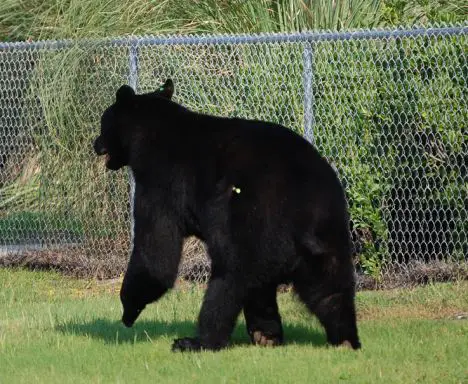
99,148
101,151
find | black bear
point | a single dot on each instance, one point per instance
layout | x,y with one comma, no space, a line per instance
270,209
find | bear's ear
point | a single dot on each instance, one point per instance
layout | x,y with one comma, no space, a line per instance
167,89
124,93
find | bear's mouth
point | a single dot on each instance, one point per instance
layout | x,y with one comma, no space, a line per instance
107,158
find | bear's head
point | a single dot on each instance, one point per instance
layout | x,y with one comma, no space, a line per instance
116,124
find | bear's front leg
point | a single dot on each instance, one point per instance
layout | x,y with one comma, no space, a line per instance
221,306
153,264
139,288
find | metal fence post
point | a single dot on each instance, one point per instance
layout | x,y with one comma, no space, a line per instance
133,82
309,119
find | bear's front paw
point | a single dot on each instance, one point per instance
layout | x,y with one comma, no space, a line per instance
186,344
350,345
264,339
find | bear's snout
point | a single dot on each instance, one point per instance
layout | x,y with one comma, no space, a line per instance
98,147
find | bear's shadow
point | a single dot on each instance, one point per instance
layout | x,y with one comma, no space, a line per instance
114,332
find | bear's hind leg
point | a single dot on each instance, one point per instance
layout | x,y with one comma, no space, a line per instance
330,296
262,316
337,314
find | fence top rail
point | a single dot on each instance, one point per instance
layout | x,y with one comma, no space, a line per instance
207,39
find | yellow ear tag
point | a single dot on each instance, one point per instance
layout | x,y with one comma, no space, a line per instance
235,189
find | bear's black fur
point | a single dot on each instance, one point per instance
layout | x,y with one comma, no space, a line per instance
270,209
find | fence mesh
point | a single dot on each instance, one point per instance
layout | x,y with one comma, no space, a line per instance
387,107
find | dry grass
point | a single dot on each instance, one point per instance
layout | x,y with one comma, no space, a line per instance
415,273
420,302
82,262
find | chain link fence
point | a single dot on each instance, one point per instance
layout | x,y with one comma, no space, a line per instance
387,107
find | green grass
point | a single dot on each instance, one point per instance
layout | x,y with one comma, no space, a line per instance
37,223
45,19
58,329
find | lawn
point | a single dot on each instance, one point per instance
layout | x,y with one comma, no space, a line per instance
57,329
